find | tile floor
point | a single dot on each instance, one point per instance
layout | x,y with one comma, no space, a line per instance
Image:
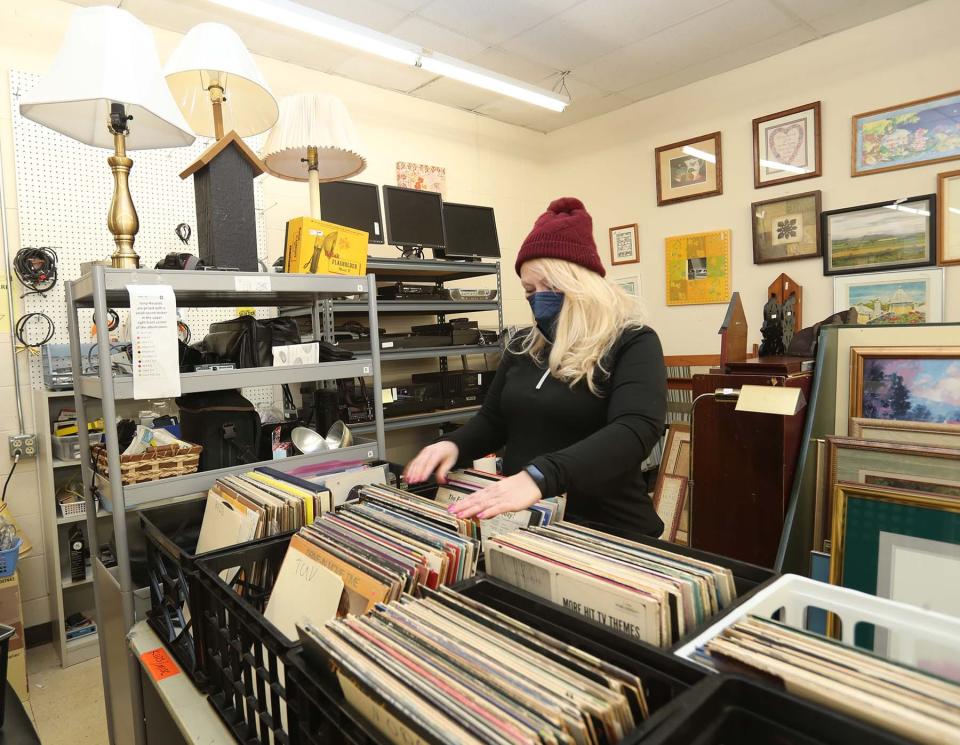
66,705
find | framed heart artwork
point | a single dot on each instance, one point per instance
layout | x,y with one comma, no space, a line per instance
786,146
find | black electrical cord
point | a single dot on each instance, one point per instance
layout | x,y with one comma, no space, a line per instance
20,330
183,331
36,268
184,232
16,459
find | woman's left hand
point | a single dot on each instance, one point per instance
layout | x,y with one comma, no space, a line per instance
513,493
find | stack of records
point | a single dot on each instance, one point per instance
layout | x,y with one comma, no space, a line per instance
461,484
371,551
446,669
650,594
915,704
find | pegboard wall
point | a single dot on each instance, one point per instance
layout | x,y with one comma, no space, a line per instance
64,190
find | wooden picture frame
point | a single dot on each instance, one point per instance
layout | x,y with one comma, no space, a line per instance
934,434
689,169
786,140
675,462
871,295
861,249
880,390
624,245
771,242
948,234
898,140
669,503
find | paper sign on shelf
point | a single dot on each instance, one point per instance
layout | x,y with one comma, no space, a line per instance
154,338
159,664
256,283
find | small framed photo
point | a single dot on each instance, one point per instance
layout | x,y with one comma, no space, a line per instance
899,234
786,146
948,200
624,245
691,169
787,228
630,285
891,298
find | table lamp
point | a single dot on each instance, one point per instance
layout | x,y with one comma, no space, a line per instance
105,89
217,85
314,140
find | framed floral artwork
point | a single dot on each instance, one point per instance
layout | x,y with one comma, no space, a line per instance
423,177
786,228
624,245
910,134
898,234
948,200
786,146
690,169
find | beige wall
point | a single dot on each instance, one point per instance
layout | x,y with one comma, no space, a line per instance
608,161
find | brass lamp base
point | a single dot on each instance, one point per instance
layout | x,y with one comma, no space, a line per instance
122,218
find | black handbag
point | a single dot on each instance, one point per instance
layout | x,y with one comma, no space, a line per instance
225,423
247,341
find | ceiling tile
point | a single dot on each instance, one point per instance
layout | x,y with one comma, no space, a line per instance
431,36
513,65
383,73
493,21
561,44
828,16
454,93
409,6
369,13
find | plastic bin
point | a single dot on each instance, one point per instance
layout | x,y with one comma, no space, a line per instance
913,636
67,447
730,710
8,559
242,655
319,713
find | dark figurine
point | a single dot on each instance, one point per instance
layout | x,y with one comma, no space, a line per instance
772,329
789,316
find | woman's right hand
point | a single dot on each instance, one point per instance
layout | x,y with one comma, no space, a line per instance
438,458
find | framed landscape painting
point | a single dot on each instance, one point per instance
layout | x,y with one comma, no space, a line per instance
891,298
911,134
898,234
948,201
912,384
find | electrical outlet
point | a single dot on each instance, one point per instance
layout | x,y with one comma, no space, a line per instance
25,444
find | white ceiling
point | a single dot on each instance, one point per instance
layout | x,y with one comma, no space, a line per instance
614,51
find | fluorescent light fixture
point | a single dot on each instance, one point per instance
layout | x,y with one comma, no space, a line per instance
912,210
954,210
298,17
784,166
697,153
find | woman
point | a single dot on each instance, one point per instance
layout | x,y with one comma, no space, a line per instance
578,401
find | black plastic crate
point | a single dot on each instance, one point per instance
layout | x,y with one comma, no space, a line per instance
322,714
6,633
730,710
241,654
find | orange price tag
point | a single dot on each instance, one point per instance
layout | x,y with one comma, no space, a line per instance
159,663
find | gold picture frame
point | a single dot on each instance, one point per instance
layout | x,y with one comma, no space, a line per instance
935,434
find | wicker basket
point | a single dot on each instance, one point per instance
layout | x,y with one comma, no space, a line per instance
161,462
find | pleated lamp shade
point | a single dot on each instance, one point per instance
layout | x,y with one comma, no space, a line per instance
214,53
107,56
313,120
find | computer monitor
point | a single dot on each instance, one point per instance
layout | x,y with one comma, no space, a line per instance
471,231
414,217
354,204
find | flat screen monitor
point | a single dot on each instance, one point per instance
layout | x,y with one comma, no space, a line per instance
414,217
354,204
471,231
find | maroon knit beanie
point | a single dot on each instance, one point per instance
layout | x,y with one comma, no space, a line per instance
564,231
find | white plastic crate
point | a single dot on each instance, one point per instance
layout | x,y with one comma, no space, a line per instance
74,509
905,633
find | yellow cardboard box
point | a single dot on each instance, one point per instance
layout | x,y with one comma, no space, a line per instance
319,247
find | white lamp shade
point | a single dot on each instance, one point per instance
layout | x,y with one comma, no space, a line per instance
213,52
107,56
313,120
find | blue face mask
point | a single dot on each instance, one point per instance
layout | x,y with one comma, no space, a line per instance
546,310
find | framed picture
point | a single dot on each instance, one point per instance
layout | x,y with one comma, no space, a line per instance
669,503
786,146
630,285
912,384
691,169
891,298
906,433
624,245
786,228
896,545
948,200
898,234
910,134
698,268
422,176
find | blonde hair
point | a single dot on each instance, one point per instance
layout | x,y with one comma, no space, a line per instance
594,314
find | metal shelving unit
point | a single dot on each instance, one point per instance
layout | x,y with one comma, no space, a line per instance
420,420
105,287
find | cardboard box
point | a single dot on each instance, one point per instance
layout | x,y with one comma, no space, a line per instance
318,247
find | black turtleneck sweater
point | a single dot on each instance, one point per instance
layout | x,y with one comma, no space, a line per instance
588,447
